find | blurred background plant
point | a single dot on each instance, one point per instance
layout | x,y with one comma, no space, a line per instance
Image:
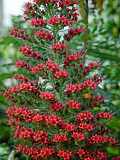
103,43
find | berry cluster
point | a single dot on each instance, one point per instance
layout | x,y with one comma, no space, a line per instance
73,32
84,116
101,139
73,58
73,104
56,71
39,136
90,67
19,33
27,51
59,138
56,106
27,133
55,20
86,126
14,113
73,13
37,68
52,120
28,10
21,77
69,127
45,35
47,96
35,153
61,74
104,115
93,155
24,86
23,64
59,47
26,115
75,88
66,155
78,136
38,22
52,66
59,3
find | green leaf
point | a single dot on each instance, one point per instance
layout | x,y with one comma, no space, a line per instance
113,151
4,76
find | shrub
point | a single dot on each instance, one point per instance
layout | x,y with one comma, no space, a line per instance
56,110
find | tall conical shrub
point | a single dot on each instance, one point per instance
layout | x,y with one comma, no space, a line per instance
55,110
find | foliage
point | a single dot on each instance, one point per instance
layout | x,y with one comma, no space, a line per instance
58,80
103,44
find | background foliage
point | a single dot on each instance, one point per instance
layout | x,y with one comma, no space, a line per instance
103,43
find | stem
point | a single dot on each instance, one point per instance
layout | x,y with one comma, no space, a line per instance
86,24
84,11
12,155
